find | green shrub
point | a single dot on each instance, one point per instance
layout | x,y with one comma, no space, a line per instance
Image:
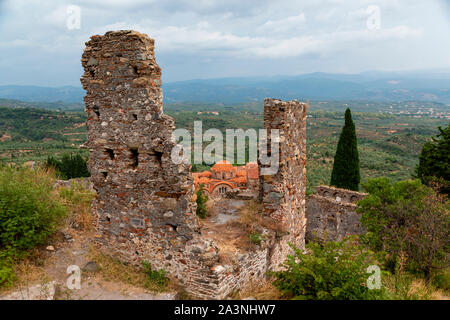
255,238
155,277
29,213
405,286
29,210
329,271
7,275
407,219
442,280
434,160
70,166
201,202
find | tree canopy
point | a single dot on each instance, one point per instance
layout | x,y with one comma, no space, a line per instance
434,160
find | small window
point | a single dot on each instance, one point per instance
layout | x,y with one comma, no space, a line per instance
159,157
96,111
110,153
134,157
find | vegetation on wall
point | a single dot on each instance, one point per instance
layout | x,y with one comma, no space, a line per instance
201,202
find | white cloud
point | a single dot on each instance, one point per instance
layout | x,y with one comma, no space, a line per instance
324,16
283,25
201,37
272,35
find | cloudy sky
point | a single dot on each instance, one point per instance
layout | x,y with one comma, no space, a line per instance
41,41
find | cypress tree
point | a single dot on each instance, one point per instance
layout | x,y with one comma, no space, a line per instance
345,172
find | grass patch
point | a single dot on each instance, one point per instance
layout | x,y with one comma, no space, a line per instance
77,200
112,269
255,225
410,287
260,290
155,277
25,272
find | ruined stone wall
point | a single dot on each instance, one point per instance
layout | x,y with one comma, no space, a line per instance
340,195
331,214
145,204
283,194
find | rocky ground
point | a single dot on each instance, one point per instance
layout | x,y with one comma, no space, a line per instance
45,276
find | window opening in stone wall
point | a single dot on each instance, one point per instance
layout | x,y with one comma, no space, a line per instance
110,153
134,157
97,111
159,157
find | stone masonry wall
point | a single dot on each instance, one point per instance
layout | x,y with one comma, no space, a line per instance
145,204
331,214
283,194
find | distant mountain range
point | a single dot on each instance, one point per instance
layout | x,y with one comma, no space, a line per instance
66,94
372,86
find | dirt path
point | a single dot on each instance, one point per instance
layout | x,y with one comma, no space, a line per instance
75,249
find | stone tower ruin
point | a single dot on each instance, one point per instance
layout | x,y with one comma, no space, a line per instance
145,204
283,193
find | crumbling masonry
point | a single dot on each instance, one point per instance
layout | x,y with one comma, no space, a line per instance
145,204
331,214
283,193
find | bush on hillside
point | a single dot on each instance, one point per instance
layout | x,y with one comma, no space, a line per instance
29,213
328,271
407,219
434,160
